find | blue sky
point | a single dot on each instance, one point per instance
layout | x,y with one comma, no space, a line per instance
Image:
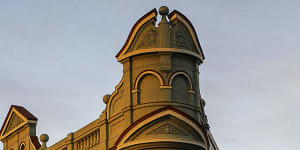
57,60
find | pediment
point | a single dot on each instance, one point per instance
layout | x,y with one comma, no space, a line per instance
16,118
166,125
13,123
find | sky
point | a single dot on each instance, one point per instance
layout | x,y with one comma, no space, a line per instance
57,59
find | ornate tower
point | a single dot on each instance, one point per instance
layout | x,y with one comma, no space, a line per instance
159,91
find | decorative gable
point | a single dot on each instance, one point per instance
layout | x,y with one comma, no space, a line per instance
16,118
13,123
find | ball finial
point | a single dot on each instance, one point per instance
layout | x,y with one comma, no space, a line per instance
163,10
44,138
106,98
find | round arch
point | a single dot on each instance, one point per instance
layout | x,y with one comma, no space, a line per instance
181,73
141,75
22,146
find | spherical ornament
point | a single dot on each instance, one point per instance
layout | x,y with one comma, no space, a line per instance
44,137
163,10
106,98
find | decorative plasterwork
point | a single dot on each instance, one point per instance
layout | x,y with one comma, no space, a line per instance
149,39
166,129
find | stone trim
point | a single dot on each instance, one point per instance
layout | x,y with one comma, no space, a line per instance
165,87
153,50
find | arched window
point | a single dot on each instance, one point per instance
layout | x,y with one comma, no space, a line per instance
180,89
148,84
22,146
149,89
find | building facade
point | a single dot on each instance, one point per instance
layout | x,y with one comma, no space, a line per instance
157,104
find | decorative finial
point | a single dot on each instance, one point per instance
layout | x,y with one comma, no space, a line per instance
163,10
44,138
106,98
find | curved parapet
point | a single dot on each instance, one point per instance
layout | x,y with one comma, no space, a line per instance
113,101
144,21
176,17
175,35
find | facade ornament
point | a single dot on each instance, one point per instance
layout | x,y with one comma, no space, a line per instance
206,125
44,139
164,28
106,98
167,129
148,39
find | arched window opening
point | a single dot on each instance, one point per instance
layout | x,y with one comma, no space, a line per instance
22,146
180,87
149,89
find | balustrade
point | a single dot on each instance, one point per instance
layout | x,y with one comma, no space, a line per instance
88,141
